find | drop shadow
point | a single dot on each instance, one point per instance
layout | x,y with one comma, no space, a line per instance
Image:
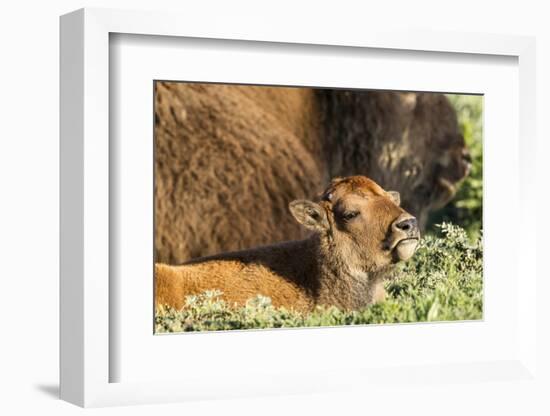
51,390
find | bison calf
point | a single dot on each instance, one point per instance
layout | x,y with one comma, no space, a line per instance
358,232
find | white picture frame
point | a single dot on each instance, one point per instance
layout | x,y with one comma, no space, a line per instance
87,356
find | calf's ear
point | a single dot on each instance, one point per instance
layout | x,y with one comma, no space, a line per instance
395,197
309,214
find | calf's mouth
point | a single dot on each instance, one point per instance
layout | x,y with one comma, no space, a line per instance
405,248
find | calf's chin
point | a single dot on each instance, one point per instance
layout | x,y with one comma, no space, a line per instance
405,249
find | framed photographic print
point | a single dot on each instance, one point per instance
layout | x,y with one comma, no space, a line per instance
277,212
238,247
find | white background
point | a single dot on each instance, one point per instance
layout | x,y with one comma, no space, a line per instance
29,207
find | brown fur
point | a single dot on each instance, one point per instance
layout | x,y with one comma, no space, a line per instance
230,158
405,141
343,263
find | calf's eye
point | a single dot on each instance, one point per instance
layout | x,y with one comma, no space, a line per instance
350,215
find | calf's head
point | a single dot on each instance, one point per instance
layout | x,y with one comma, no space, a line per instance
362,224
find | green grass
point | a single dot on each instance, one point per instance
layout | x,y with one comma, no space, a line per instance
442,282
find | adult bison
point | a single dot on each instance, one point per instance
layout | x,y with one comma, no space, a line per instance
229,159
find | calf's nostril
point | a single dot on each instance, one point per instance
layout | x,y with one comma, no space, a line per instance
407,225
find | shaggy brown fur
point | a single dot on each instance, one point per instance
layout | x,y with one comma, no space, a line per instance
359,231
404,141
230,158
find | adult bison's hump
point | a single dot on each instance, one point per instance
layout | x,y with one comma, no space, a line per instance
226,166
